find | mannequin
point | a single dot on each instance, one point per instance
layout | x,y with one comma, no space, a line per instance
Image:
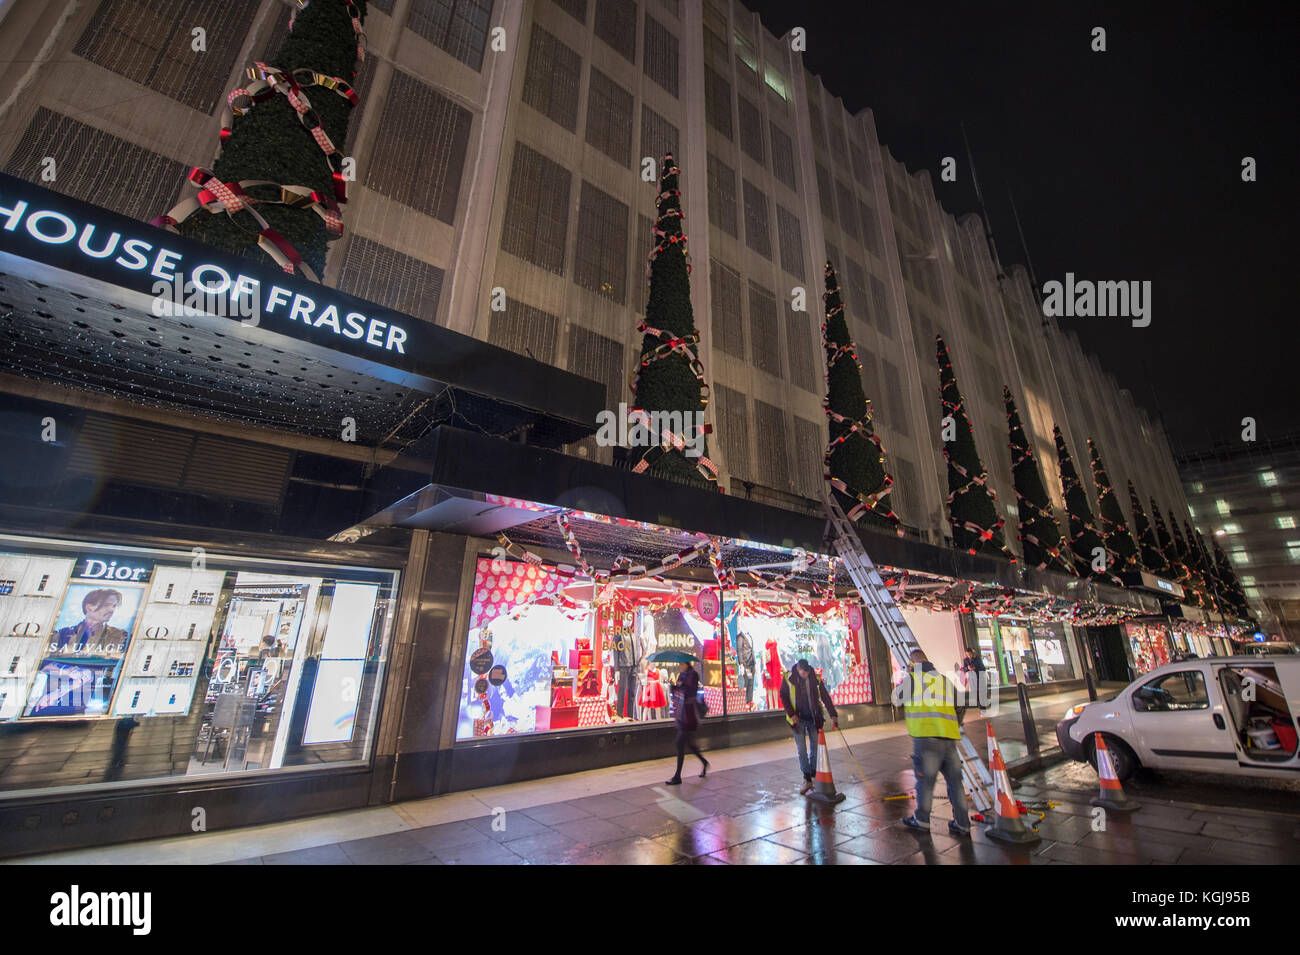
654,698
745,664
772,674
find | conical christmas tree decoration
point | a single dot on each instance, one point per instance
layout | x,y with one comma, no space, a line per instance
1040,535
1196,562
670,377
972,510
1191,583
1237,594
1217,586
1166,540
1091,559
854,461
1153,558
1114,530
274,191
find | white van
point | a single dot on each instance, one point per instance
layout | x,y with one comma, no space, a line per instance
1219,714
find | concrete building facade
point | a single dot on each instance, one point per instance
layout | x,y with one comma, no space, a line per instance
506,156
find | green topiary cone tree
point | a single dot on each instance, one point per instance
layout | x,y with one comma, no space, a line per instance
1152,557
1040,535
972,508
1085,543
1166,543
855,459
1114,530
270,143
1189,579
670,377
1236,593
1196,561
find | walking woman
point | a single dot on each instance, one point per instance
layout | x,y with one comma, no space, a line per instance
688,719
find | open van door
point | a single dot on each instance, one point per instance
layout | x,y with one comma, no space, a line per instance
1262,699
1179,721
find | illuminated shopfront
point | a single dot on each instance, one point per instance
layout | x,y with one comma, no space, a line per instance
1149,644
547,653
185,663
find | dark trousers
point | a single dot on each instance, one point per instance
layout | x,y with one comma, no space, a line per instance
685,741
627,692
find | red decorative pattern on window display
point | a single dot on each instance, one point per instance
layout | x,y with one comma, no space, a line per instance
856,688
502,585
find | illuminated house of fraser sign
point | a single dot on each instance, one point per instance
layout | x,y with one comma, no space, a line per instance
55,240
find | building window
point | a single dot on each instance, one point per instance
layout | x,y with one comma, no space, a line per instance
658,136
1222,506
1241,558
825,194
724,296
717,101
645,242
1292,551
574,8
751,131
732,420
401,282
857,301
764,330
457,27
722,196
801,353
815,120
1232,528
616,25
151,189
773,456
775,80
661,55
871,230
809,449
791,238
552,79
1248,579
783,157
758,234
537,210
745,55
609,118
1268,478
423,138
848,214
1285,522
150,43
598,358
1198,487
526,331
895,405
600,263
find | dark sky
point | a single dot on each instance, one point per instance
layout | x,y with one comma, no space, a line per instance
1123,165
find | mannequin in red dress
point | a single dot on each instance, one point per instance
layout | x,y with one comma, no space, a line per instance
772,674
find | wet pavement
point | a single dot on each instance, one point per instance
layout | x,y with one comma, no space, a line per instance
754,815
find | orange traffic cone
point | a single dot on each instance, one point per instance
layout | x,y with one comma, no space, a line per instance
1007,826
1112,794
823,783
993,740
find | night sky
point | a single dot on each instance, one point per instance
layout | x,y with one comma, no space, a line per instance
1123,165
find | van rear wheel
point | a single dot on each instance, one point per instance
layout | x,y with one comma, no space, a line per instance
1122,757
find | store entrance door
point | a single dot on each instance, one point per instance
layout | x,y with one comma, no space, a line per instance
1106,645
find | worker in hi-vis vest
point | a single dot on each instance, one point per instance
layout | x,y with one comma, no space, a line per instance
930,707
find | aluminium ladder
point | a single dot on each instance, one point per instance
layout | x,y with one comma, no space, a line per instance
880,603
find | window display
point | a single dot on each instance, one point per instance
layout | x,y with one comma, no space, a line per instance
1149,645
1052,651
256,662
546,653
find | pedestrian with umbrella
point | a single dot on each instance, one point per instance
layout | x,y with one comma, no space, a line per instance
686,711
